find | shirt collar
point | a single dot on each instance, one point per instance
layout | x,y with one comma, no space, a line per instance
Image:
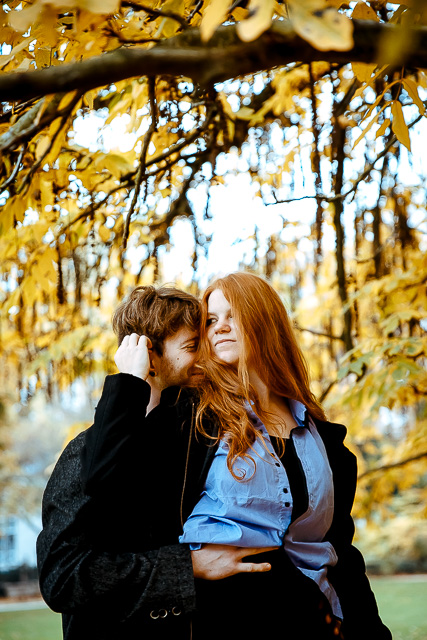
298,410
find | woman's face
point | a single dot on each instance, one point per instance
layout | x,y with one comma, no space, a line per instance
221,328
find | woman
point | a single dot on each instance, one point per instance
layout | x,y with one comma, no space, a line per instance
281,478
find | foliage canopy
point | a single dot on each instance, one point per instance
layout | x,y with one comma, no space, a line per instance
260,87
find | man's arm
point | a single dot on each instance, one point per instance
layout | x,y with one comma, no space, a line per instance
109,441
74,576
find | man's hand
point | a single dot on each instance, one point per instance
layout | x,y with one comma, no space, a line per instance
133,356
217,561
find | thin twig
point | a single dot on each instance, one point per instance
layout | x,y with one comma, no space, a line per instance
319,333
195,10
15,169
392,465
141,173
155,12
63,122
360,179
316,162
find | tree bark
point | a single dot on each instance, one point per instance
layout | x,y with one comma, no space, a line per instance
338,143
222,58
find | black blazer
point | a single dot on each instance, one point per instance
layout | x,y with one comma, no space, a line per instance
114,507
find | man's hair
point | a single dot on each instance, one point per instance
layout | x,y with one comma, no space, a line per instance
157,314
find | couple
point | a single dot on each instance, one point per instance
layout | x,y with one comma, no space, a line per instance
208,499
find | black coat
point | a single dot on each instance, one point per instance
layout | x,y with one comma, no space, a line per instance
114,507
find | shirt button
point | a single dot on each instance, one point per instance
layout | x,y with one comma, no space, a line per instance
287,504
285,490
277,464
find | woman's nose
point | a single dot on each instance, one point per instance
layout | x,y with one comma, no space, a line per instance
222,325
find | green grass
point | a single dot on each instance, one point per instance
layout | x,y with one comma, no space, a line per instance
41,624
403,606
402,603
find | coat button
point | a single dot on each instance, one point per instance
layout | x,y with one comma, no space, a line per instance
161,613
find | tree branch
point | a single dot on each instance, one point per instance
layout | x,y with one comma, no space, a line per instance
155,12
223,57
319,333
392,465
141,173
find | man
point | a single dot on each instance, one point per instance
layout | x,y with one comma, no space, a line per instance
108,554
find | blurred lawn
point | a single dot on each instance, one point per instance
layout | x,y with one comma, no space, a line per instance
41,624
402,603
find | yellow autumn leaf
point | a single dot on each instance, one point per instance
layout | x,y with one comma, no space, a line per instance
42,56
104,233
105,7
117,165
19,47
368,127
383,128
363,11
43,144
412,89
19,208
168,26
363,71
22,20
47,197
46,262
244,113
259,20
321,25
88,99
399,126
6,218
66,100
239,13
30,291
215,14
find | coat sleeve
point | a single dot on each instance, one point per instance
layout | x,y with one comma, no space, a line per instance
120,411
348,576
74,576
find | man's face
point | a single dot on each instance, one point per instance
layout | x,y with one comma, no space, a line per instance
177,367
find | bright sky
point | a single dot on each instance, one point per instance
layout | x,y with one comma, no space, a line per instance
236,210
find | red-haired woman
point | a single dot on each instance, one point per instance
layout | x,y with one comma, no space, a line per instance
280,479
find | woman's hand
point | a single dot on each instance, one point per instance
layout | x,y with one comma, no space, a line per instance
133,356
217,561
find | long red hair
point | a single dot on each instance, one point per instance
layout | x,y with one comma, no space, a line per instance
268,342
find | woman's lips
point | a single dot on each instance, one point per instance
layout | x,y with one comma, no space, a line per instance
223,341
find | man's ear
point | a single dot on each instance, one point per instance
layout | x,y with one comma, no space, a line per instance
154,363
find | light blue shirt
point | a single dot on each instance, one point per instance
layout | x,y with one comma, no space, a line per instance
257,510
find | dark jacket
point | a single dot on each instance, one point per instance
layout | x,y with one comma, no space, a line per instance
115,505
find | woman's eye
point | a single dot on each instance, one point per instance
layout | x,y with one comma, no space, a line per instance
209,321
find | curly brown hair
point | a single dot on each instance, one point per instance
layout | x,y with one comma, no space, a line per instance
156,313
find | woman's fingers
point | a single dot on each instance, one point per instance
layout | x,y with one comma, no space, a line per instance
254,567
